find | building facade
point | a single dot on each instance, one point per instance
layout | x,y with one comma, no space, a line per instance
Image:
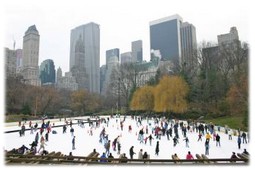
30,69
165,36
19,62
89,35
126,57
175,40
47,72
10,62
67,82
228,38
137,51
188,47
112,61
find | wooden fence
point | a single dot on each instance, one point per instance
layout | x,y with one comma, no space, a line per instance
61,159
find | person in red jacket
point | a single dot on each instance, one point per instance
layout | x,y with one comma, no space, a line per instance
189,156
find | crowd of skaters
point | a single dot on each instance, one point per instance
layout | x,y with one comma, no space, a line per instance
161,127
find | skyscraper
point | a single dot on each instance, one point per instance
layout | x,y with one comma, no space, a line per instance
137,51
79,69
188,47
47,72
165,36
30,70
88,37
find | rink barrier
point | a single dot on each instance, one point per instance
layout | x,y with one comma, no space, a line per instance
55,126
58,158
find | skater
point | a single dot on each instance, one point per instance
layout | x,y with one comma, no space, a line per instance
239,141
150,139
218,140
119,147
73,143
244,137
207,147
131,152
47,136
72,131
129,128
64,129
189,156
157,148
199,137
107,147
42,145
187,142
175,141
36,138
208,136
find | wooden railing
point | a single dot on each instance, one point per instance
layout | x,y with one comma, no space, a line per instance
58,158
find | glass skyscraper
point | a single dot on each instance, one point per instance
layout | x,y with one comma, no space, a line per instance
165,37
47,72
175,41
89,35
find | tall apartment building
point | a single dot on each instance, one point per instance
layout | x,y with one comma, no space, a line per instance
175,40
47,72
30,69
88,36
137,51
188,46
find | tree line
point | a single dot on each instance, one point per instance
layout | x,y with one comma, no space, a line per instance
217,86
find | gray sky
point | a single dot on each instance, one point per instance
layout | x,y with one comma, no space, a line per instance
121,22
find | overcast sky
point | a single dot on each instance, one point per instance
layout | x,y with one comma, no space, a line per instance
121,22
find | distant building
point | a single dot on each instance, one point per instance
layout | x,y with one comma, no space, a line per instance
126,57
188,47
137,51
30,70
165,36
79,69
67,82
228,38
19,61
10,62
112,61
47,72
102,78
89,35
175,40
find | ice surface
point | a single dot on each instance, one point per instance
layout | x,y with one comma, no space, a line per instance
85,143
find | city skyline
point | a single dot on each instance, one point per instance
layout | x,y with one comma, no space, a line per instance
117,31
